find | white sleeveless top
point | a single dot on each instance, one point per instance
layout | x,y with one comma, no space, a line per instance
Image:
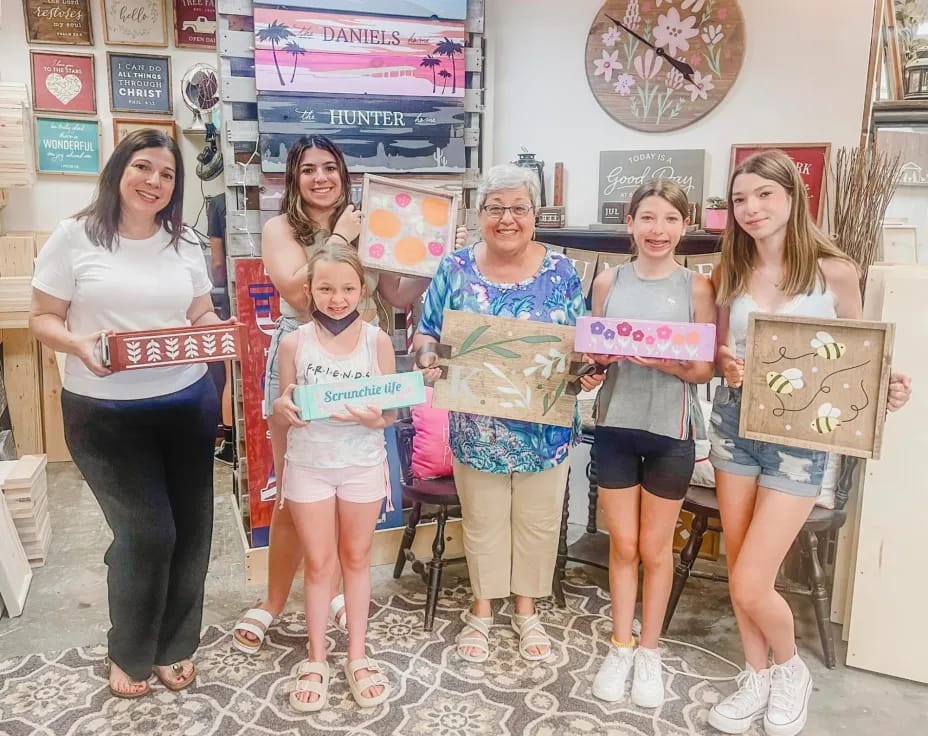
820,303
328,443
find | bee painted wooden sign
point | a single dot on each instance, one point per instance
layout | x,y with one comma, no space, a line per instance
507,368
126,351
816,383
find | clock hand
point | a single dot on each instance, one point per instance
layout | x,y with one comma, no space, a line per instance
681,66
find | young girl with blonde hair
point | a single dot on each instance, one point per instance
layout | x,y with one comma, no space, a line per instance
334,472
774,260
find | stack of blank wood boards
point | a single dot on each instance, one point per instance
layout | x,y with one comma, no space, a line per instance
17,167
25,490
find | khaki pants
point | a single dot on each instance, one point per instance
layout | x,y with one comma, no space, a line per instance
511,524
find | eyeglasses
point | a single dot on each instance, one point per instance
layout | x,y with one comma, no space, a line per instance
495,211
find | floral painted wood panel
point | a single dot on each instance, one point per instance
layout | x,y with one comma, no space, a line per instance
125,351
819,384
702,47
407,228
646,338
508,368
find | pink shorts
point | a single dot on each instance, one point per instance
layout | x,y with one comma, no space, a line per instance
354,484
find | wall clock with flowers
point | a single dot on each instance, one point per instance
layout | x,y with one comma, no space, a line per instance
659,65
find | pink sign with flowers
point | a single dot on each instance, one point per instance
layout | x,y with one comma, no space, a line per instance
645,338
660,65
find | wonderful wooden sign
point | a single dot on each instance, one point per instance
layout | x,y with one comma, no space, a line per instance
357,54
507,368
815,383
58,21
376,134
622,172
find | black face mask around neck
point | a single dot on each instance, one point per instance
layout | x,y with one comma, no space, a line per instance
335,326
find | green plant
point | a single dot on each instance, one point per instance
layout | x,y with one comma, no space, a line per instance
717,203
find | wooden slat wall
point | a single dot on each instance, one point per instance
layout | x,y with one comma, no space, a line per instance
242,174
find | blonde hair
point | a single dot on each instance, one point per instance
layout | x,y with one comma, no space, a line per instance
805,242
333,252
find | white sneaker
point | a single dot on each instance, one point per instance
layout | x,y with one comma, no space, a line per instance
737,712
609,683
648,682
790,688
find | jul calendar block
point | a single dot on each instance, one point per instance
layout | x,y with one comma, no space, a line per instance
385,392
646,338
124,351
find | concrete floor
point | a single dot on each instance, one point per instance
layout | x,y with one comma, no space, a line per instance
67,607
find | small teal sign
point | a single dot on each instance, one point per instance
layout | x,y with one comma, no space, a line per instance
66,146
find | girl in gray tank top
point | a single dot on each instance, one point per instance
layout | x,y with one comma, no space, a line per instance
648,415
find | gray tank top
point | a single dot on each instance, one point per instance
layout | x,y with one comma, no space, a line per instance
634,396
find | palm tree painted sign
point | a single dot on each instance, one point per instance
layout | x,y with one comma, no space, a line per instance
357,54
447,9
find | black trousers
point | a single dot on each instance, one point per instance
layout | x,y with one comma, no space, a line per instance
149,463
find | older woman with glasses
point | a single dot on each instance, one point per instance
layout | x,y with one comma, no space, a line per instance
510,475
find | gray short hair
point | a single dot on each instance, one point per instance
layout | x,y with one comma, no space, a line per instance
509,176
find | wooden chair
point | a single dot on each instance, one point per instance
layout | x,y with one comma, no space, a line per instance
703,505
439,492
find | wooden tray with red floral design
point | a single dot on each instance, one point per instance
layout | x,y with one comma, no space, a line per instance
124,351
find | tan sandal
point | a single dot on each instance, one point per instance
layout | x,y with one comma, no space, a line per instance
310,686
531,634
131,682
177,670
466,639
358,687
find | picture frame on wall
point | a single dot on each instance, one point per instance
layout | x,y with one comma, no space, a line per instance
67,145
195,24
62,22
123,126
139,83
134,22
63,83
812,160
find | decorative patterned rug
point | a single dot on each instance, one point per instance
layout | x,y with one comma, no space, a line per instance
435,692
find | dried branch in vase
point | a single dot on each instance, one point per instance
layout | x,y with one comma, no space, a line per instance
864,183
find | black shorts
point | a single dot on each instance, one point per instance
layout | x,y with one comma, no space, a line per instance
626,458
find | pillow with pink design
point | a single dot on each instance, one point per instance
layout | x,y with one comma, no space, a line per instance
431,449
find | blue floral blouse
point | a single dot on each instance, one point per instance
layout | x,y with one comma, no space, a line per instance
552,295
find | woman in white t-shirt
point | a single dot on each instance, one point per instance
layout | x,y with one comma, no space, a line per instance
143,440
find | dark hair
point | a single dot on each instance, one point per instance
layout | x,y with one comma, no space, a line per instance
304,229
666,189
102,214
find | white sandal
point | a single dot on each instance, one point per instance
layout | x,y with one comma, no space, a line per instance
357,687
245,623
310,686
475,625
338,613
531,634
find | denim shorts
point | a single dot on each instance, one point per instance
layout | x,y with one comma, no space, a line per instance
791,470
285,325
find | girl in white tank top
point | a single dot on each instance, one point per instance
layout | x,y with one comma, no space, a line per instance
335,470
774,260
